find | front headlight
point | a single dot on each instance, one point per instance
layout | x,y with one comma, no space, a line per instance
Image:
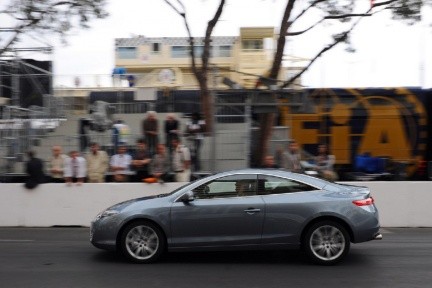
106,213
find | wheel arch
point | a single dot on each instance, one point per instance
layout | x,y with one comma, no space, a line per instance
120,232
327,218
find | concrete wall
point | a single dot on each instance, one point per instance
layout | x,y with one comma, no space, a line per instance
401,204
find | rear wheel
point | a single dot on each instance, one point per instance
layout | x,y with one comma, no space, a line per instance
326,242
142,242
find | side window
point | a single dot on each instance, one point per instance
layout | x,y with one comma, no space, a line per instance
229,186
276,185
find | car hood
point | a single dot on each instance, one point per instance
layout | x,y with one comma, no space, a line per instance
120,206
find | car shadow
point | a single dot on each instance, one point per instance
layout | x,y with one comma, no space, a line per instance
283,257
233,257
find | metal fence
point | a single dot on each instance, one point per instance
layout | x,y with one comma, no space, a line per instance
229,146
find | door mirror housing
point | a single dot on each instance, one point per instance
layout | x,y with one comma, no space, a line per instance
187,197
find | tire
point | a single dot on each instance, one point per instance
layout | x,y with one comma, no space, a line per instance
142,242
326,242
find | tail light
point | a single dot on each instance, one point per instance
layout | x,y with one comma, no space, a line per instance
364,202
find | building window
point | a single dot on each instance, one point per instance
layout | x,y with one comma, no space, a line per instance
199,50
126,52
156,48
252,44
222,51
179,51
183,51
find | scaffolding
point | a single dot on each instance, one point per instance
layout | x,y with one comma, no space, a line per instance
21,127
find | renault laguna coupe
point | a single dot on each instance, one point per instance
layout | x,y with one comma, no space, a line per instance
244,209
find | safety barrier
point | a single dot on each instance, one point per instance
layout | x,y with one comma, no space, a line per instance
401,204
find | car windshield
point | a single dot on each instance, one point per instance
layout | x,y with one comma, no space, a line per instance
178,189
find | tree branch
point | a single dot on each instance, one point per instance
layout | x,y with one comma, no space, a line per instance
182,14
337,40
374,5
313,4
277,62
331,17
207,40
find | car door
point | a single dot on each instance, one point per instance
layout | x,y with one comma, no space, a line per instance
288,204
221,214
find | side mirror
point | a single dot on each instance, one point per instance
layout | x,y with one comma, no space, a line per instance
187,197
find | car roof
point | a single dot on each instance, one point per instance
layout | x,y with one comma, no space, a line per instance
317,182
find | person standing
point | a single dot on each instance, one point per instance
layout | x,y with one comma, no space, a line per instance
34,170
120,164
181,161
171,130
97,164
150,130
195,130
269,162
121,134
292,157
141,161
57,163
75,169
84,126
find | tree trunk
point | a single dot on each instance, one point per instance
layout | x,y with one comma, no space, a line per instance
265,132
206,101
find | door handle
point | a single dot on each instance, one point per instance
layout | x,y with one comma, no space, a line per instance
251,211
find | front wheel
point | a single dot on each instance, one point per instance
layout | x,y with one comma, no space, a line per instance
326,242
142,242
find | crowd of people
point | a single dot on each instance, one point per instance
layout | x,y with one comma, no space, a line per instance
152,161
294,160
148,161
97,166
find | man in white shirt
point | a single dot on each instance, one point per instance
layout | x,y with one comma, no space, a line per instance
181,161
75,169
120,164
57,165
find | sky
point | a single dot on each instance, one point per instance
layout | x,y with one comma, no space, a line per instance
387,53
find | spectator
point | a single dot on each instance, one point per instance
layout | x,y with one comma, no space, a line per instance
180,161
57,163
160,164
84,126
278,156
195,130
75,169
120,164
150,129
171,130
141,161
97,164
35,171
324,163
269,162
291,158
121,134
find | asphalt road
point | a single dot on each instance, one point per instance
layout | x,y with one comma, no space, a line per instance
63,257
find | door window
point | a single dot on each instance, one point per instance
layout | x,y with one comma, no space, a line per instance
229,186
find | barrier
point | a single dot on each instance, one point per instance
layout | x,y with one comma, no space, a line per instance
401,204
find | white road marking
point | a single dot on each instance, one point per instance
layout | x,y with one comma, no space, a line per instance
15,240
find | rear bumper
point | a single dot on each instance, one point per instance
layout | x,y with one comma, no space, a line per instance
367,235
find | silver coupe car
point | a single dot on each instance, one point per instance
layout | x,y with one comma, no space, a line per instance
242,209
